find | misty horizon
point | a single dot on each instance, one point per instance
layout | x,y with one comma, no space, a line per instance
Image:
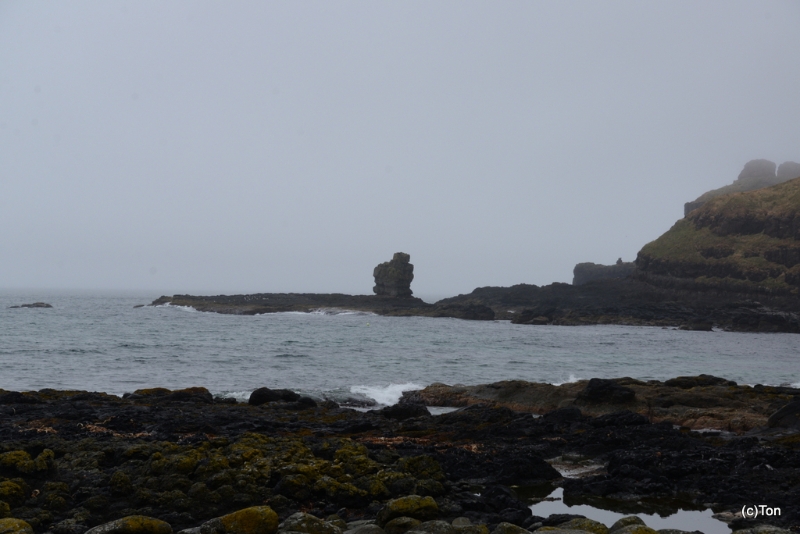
284,147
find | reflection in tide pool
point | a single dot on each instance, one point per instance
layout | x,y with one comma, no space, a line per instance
681,520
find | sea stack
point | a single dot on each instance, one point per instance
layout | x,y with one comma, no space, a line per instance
393,278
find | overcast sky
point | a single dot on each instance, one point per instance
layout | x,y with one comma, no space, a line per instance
221,147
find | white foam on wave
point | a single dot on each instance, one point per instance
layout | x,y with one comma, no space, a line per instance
385,395
177,307
572,378
240,396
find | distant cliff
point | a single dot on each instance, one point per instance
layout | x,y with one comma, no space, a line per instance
757,174
744,242
587,272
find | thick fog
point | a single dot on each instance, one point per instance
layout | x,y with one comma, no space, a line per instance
215,147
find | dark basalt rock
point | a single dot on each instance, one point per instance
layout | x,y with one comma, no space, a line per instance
265,395
786,417
403,411
33,305
75,460
393,278
688,382
586,272
603,391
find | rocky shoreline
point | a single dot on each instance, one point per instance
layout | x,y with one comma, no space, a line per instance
183,459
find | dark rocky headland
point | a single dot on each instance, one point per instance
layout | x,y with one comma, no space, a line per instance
162,461
732,263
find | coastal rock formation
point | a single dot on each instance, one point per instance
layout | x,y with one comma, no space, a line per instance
757,174
743,242
586,272
393,278
34,305
74,460
713,403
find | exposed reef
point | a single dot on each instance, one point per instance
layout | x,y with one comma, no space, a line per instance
33,305
163,460
308,302
637,303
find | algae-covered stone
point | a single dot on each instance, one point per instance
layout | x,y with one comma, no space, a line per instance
5,509
133,524
401,525
508,528
302,522
586,524
13,491
422,508
253,520
624,522
10,525
474,529
422,467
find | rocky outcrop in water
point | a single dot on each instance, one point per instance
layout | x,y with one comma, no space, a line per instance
33,305
587,272
757,174
393,278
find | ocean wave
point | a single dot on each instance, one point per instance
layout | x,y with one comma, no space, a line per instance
177,307
572,378
385,395
338,311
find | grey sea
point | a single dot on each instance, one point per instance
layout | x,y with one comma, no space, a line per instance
100,342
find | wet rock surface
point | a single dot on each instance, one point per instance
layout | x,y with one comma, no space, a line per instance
72,460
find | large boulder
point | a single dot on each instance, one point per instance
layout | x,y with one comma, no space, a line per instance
393,278
11,525
414,506
265,395
786,417
603,391
253,520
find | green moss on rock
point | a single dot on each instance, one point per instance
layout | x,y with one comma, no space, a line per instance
253,520
10,525
422,508
134,524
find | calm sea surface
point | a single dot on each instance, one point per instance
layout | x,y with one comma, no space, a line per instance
103,343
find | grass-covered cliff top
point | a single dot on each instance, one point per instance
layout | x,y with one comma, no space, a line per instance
748,240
